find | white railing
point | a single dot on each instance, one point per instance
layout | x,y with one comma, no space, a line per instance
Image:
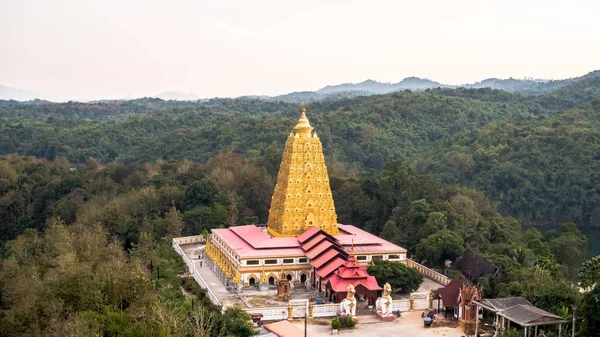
184,240
325,310
402,305
270,313
429,273
192,268
421,300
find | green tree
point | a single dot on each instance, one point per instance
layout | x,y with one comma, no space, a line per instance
397,274
439,247
390,232
570,249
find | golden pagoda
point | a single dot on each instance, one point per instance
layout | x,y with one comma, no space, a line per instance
302,197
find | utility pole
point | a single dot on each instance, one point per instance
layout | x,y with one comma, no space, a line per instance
305,324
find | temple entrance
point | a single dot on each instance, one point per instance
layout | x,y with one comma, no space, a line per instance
252,282
302,278
272,280
289,277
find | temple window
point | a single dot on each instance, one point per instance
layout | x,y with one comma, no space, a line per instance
302,260
377,257
394,257
288,261
252,262
270,261
361,258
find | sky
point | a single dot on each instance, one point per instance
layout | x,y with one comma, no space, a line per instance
83,50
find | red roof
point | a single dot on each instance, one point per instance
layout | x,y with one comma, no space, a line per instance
307,245
259,239
330,267
365,242
318,249
245,250
308,234
339,284
324,258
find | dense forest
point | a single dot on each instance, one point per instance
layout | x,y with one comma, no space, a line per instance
88,244
485,138
98,189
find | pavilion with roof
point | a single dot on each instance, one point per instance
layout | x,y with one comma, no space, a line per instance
520,312
302,239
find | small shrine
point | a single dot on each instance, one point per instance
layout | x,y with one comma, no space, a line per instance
467,309
284,288
352,273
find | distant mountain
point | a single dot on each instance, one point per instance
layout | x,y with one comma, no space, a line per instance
8,93
176,96
374,87
529,86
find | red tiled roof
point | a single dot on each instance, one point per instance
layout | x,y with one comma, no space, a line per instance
308,234
258,238
330,267
339,284
365,242
307,245
244,249
324,258
318,249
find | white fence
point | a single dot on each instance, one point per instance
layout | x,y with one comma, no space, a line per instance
192,268
325,310
189,239
270,313
402,305
429,273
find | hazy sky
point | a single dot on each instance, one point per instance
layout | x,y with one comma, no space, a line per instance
80,49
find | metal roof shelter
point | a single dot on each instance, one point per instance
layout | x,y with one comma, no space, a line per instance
520,311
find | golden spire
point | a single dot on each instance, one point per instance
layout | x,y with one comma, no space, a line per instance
302,196
303,127
352,249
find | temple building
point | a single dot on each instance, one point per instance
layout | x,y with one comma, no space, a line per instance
302,240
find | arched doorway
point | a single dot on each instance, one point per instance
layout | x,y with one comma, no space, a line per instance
289,277
303,278
272,280
252,281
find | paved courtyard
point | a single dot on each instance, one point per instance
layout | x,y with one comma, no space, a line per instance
409,325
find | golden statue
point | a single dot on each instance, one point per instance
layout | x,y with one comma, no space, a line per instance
302,196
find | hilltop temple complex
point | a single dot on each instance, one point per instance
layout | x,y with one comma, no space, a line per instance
302,241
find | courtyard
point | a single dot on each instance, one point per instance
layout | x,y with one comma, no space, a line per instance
409,325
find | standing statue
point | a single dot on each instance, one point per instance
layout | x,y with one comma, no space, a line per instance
348,305
384,303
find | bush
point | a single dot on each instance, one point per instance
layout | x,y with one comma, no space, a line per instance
345,322
335,324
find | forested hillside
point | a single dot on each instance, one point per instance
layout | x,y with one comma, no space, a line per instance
543,170
532,154
91,253
361,132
